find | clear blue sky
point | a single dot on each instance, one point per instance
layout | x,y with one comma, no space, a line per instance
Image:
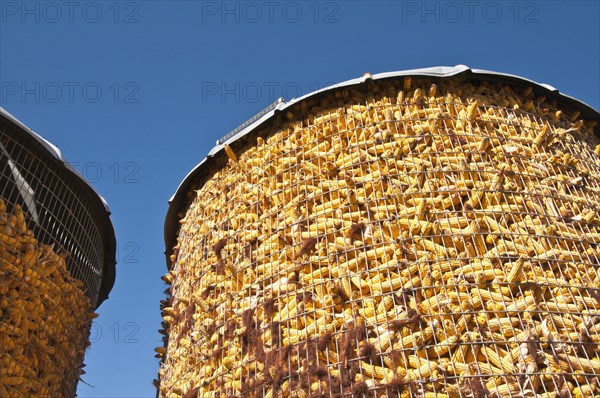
135,93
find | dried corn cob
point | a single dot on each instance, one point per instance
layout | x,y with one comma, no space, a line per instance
422,240
44,315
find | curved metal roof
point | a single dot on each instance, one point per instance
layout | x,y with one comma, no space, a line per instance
178,200
108,270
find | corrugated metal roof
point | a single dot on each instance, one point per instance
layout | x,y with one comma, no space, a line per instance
177,201
53,150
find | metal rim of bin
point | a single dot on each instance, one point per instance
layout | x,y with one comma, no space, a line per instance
52,158
178,202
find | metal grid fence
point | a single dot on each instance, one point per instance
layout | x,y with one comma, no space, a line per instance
52,264
414,238
57,210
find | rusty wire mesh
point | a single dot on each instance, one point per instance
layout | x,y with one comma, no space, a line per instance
51,259
415,238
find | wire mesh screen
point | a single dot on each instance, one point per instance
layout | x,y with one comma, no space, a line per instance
415,238
51,257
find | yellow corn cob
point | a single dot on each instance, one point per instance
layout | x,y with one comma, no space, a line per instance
42,308
414,238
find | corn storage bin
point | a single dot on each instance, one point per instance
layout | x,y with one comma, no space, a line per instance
57,263
428,233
